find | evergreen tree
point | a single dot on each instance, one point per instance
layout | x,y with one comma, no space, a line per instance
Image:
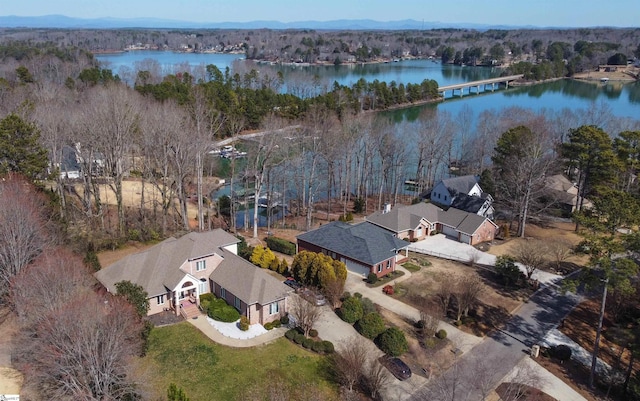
20,150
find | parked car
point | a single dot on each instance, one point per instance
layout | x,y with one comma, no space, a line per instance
291,282
314,297
398,368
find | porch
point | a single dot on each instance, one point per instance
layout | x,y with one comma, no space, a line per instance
188,308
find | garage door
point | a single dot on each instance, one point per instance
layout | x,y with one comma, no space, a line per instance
449,231
356,268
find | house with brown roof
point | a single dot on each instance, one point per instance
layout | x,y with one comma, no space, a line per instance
175,272
416,222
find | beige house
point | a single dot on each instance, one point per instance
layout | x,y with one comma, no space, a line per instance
178,270
417,222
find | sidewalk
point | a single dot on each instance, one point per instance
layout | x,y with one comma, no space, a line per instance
546,382
201,324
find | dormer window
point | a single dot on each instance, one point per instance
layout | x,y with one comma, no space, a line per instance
201,265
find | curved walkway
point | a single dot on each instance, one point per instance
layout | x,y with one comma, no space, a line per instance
201,323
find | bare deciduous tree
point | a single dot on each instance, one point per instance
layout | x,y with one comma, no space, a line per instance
54,277
466,293
348,362
375,378
559,250
82,351
23,233
445,292
531,254
306,314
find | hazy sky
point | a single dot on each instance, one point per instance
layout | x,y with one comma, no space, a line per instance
622,13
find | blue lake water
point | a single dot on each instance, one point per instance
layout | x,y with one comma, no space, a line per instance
623,99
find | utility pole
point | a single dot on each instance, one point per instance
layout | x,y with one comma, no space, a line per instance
596,346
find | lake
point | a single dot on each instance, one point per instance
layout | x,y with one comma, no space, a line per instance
623,99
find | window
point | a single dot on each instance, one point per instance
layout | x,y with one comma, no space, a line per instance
202,286
236,303
201,265
223,293
380,268
419,232
438,196
274,308
445,198
160,299
389,264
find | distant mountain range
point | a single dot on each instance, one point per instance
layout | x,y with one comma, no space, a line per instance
61,21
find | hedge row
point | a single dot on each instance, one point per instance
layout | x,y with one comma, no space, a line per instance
320,347
281,245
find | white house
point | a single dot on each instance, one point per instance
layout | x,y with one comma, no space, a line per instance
444,192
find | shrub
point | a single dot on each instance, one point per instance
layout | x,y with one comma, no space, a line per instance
508,272
388,289
458,323
441,334
357,295
219,310
345,295
207,297
290,334
371,325
328,347
561,352
317,346
313,333
91,260
351,310
268,326
367,306
307,343
372,278
276,323
244,323
284,319
299,338
392,342
281,245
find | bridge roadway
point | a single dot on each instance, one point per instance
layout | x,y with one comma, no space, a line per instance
478,84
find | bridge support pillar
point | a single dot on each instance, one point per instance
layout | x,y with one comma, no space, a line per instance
493,87
478,90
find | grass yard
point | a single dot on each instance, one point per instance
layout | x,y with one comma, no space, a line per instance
205,370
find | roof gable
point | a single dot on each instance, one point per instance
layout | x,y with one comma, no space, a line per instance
404,218
468,203
460,185
248,282
158,268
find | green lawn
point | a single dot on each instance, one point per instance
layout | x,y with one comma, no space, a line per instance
205,370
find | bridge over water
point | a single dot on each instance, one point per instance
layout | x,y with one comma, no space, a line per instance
478,85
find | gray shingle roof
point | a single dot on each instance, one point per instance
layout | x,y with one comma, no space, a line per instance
157,268
364,242
466,223
462,184
468,203
404,218
248,282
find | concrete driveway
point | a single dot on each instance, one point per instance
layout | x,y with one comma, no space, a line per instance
462,340
330,327
441,246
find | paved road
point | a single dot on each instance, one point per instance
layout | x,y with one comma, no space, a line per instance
482,368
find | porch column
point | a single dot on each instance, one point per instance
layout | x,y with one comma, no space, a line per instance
176,302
